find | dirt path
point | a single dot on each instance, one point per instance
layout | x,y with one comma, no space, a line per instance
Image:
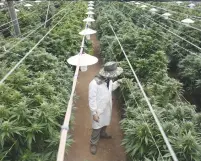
108,150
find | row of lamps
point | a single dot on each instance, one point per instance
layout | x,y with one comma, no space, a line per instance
84,58
166,15
26,5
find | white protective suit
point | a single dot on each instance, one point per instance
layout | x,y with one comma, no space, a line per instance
100,102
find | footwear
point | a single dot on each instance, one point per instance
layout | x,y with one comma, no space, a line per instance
105,136
93,149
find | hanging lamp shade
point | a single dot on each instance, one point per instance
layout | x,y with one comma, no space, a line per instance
187,21
88,19
166,15
84,60
16,10
37,1
90,13
90,5
87,31
90,8
27,5
137,3
91,1
179,2
153,10
1,4
191,5
143,6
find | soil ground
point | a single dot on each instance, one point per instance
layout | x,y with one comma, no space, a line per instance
108,150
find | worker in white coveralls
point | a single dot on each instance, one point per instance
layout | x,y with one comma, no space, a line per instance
100,101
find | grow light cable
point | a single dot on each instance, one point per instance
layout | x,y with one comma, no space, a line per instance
185,7
6,6
165,9
47,13
143,118
177,45
30,51
177,35
33,31
174,157
65,126
173,33
176,51
181,23
17,19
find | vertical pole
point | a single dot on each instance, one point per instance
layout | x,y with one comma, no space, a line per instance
47,13
13,16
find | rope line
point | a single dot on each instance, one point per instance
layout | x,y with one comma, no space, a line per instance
30,51
177,51
32,32
165,9
47,13
147,100
179,37
65,126
177,44
144,120
173,33
17,18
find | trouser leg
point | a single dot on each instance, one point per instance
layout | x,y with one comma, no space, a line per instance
103,131
95,136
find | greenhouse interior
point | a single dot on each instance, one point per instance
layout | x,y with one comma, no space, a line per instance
100,80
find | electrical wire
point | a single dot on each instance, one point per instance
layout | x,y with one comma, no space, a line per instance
173,33
186,8
165,9
65,126
174,157
47,13
17,18
33,31
144,120
30,51
177,51
180,22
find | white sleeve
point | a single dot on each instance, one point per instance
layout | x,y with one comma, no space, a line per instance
115,85
92,97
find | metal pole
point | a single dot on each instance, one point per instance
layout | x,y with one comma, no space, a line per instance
13,16
47,13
